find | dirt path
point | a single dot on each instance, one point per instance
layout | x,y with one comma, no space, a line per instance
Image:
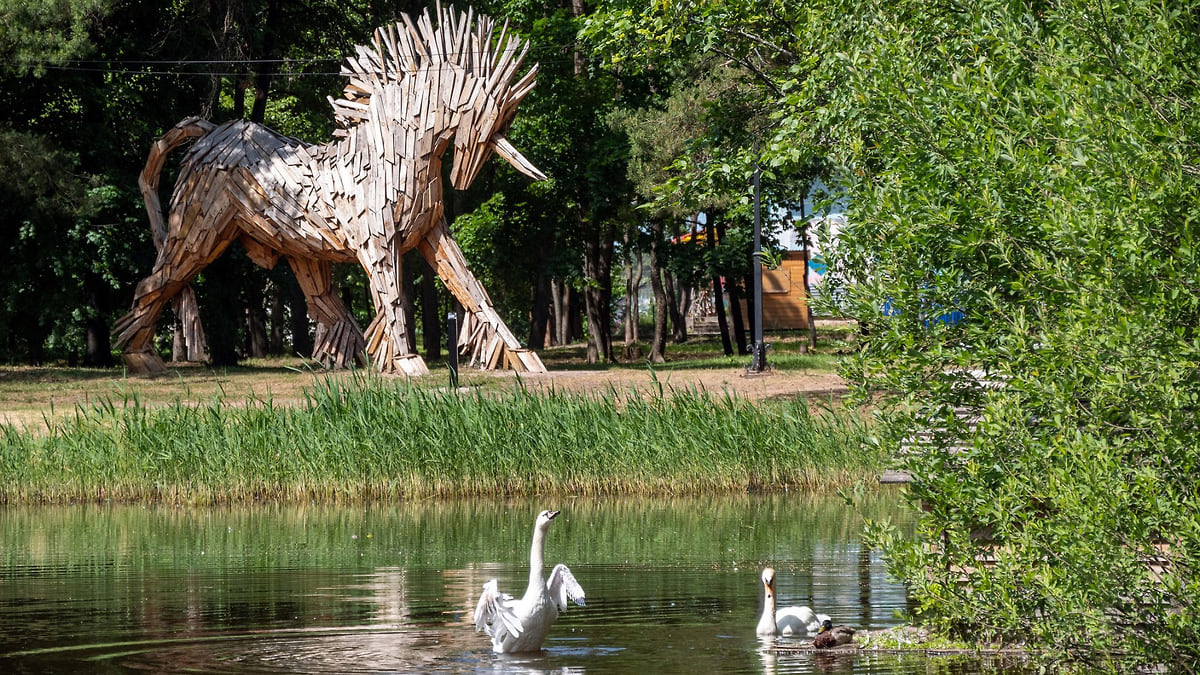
31,395
766,386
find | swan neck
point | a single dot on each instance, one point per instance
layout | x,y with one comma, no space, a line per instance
766,624
536,558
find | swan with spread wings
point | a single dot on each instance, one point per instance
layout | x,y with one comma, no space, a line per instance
521,625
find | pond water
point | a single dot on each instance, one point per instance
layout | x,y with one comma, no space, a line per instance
672,586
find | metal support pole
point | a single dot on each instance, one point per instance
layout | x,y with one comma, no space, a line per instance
452,348
759,361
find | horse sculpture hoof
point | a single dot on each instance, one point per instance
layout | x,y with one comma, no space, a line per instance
146,364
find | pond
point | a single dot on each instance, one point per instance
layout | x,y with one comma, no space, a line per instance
672,586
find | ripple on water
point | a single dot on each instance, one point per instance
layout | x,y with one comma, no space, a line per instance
672,587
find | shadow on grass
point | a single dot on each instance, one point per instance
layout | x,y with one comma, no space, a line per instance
690,357
34,375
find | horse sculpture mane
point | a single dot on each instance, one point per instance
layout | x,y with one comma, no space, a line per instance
370,195
402,49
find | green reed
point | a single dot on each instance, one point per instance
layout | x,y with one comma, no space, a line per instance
366,438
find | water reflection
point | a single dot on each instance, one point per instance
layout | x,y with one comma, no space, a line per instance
672,586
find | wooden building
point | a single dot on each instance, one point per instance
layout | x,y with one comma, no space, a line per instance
785,306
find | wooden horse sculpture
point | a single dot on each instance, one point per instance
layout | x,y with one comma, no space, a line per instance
372,194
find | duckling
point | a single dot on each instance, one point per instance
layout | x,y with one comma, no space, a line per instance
833,636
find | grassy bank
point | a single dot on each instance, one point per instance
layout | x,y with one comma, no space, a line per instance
369,438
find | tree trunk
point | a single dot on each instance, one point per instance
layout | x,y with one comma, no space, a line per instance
739,323
597,267
574,315
718,296
240,85
633,310
98,352
256,331
560,321
431,314
638,273
266,69
633,281
539,315
35,336
668,282
678,329
407,303
748,284
658,345
577,9
735,305
682,297
302,339
275,318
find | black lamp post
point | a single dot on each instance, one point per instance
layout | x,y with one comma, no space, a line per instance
758,348
452,348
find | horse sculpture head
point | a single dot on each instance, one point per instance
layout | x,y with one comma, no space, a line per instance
453,81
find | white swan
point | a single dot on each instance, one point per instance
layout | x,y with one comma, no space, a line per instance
521,625
788,620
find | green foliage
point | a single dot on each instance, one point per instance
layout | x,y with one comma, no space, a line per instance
1036,169
697,147
47,247
503,243
751,54
1033,167
678,145
37,33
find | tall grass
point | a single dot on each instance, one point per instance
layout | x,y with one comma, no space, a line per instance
366,438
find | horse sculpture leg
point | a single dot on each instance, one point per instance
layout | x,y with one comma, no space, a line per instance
387,336
491,343
339,341
178,262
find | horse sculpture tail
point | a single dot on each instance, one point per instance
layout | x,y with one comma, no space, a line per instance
187,311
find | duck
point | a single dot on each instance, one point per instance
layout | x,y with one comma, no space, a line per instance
830,636
787,620
517,626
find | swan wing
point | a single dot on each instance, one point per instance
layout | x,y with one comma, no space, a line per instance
495,614
795,620
562,585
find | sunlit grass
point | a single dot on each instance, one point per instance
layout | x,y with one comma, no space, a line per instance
706,352
823,363
365,437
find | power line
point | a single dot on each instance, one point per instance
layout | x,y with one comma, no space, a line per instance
182,62
105,65
221,73
180,73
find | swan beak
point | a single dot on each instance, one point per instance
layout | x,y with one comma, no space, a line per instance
552,515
